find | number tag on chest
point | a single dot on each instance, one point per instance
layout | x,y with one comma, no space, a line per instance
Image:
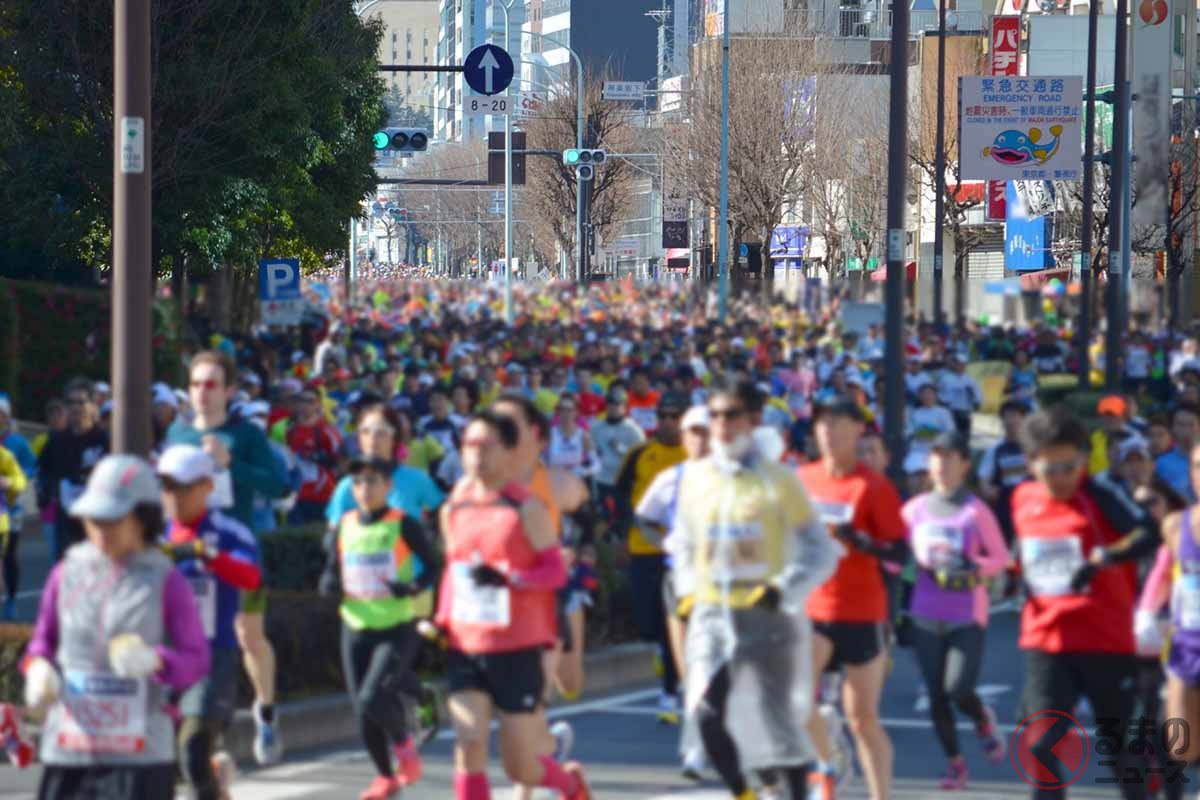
487,606
1049,564
1186,601
737,552
204,589
102,713
937,545
365,576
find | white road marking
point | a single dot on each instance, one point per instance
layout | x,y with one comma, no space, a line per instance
263,790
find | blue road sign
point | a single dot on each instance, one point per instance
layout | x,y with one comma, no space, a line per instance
488,69
279,291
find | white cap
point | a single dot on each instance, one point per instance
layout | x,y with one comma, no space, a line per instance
102,387
186,464
116,485
164,396
696,417
256,408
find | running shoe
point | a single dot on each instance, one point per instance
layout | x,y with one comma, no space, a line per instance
381,788
408,762
955,776
582,792
668,709
564,740
822,786
225,773
268,748
694,765
994,747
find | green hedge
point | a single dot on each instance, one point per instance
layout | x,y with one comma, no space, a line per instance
50,334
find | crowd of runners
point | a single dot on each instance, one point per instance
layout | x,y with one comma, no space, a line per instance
468,473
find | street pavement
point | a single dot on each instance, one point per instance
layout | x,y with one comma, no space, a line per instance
629,755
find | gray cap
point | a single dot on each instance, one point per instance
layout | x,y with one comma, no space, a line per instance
116,485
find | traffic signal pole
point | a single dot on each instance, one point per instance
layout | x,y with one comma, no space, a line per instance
1116,225
1083,332
897,180
939,169
131,242
723,221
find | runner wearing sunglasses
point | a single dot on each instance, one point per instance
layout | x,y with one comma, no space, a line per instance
1077,539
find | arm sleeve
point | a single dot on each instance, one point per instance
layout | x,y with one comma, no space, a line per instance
237,563
656,502
186,660
1158,582
253,465
548,573
1140,536
623,488
418,543
330,582
44,641
992,557
680,545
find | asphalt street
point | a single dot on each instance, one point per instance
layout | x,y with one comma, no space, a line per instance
630,755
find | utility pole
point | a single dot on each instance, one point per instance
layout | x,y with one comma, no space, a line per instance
897,184
131,242
939,168
1116,194
1083,334
723,222
1176,282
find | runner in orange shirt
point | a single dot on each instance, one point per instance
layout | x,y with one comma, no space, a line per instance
862,509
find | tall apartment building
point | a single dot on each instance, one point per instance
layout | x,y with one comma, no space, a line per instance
410,37
462,26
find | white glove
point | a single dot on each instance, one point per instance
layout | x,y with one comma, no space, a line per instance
1148,632
42,685
131,657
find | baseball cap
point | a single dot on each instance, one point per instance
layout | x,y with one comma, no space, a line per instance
1131,446
116,485
839,405
672,400
696,417
186,464
163,395
952,440
1112,404
380,465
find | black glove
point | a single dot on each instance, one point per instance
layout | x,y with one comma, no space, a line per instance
766,597
850,536
1083,578
483,575
404,588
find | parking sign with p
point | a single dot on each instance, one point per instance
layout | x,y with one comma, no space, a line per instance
279,291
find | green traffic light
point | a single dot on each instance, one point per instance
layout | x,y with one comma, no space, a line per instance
381,140
572,156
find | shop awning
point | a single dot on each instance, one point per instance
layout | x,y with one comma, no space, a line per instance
910,273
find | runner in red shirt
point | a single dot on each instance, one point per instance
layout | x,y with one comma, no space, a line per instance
315,443
862,509
1077,538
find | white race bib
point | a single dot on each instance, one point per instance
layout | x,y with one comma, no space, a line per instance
736,552
487,606
834,514
645,417
204,589
1049,564
365,576
102,713
1185,599
221,495
937,546
309,472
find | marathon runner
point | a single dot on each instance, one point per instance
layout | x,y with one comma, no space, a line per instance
379,562
747,548
245,466
497,606
1076,537
860,508
219,558
117,629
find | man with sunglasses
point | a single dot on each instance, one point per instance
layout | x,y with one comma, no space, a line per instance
647,564
1077,539
67,460
245,466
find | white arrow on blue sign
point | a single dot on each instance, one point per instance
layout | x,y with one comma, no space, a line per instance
488,69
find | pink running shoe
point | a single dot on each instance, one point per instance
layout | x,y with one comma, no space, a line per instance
955,776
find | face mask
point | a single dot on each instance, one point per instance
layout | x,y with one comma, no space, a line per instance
732,451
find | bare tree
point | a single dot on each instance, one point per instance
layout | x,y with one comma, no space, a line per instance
963,59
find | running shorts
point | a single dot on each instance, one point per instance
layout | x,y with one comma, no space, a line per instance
514,680
854,643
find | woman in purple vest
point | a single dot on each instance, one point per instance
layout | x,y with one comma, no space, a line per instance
957,545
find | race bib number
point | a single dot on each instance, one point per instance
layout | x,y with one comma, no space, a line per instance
937,546
365,576
1186,601
834,514
487,606
68,493
102,713
309,473
646,418
1049,564
204,589
736,552
222,494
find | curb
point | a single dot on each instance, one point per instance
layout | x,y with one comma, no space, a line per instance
329,720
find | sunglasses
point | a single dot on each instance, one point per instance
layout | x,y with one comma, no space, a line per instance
669,415
1059,468
208,384
729,414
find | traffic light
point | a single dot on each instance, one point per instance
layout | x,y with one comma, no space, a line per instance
404,140
496,157
399,214
584,161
